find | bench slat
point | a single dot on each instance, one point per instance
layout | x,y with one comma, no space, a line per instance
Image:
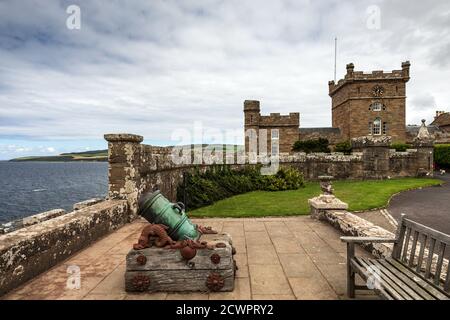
407,280
413,248
447,279
395,275
406,244
397,250
423,244
437,273
362,271
416,278
430,258
386,283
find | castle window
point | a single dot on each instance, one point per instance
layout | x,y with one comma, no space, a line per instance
274,133
376,130
384,127
274,142
370,128
376,106
251,118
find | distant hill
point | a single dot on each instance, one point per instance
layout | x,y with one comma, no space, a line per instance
102,155
94,155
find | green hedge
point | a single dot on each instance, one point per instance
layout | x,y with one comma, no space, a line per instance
313,145
344,146
442,155
220,182
400,147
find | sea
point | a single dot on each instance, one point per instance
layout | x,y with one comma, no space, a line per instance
27,188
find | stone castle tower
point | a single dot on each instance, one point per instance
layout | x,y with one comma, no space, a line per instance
282,130
370,103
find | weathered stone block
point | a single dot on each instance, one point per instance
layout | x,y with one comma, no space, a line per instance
86,203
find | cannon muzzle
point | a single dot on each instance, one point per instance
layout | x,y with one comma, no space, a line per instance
155,208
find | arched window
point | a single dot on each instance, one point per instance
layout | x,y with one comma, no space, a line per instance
376,129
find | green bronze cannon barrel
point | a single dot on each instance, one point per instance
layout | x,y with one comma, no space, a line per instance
155,208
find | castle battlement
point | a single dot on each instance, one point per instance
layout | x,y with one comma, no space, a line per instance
377,75
276,119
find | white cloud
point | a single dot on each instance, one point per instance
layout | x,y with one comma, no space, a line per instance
149,67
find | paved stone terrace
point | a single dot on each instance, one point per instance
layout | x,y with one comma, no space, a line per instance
278,258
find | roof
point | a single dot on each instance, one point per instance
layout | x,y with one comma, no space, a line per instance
442,120
320,130
414,129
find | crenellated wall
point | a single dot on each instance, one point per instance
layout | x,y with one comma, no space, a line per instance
135,168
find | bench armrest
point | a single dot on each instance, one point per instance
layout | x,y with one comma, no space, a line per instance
367,239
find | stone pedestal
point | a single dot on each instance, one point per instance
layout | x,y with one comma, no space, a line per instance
323,203
211,268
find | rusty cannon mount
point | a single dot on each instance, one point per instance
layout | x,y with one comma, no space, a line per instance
157,262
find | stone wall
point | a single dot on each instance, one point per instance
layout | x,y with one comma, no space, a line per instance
333,135
31,220
135,168
29,251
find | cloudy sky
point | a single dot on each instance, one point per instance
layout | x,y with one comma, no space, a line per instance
151,67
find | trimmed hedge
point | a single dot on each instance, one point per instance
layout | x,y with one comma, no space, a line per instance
344,146
400,147
220,182
442,155
313,145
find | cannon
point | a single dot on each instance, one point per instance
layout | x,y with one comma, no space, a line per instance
174,254
155,208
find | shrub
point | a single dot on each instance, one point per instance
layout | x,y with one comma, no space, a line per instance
344,146
220,182
400,147
313,145
442,155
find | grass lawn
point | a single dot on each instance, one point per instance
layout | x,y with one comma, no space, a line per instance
360,195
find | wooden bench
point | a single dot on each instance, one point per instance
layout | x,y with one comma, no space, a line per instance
414,271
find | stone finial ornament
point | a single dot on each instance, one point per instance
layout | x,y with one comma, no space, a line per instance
423,132
327,200
424,138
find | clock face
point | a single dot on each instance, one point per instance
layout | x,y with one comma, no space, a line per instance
378,91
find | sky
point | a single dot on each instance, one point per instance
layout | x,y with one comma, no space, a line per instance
157,67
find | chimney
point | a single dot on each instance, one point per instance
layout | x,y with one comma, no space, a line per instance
350,67
438,113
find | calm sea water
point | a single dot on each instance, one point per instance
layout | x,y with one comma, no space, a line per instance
27,188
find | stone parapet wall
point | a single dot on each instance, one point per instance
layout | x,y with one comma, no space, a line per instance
352,225
32,250
135,168
31,220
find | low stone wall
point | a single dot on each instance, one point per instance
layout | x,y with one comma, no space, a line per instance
31,220
352,225
29,251
135,168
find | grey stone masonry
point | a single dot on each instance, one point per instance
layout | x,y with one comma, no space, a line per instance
29,251
31,220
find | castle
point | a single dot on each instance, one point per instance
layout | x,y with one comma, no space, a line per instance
361,104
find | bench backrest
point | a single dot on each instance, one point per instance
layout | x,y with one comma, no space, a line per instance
422,249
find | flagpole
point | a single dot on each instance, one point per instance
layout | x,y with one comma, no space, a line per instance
335,55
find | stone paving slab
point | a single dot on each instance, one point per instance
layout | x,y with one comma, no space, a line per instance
278,258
